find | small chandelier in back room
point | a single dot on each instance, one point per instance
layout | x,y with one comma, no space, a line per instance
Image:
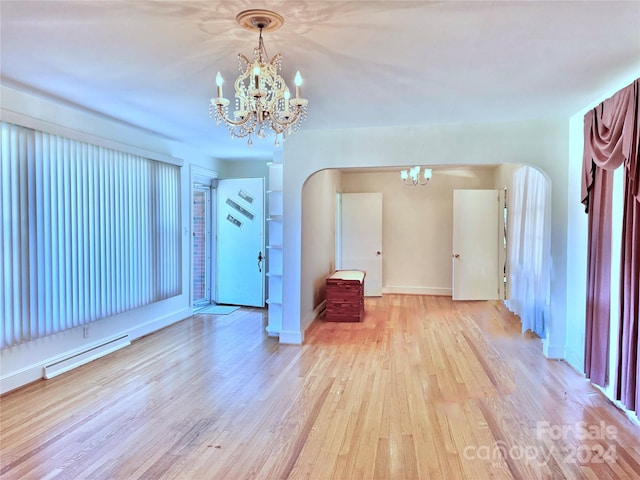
263,102
413,176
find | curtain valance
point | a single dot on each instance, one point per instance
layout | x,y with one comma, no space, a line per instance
611,135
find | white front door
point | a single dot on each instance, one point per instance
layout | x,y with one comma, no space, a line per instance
476,243
361,238
240,243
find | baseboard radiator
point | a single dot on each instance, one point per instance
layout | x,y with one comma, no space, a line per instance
87,356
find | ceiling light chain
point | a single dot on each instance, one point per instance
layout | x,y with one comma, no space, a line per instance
263,102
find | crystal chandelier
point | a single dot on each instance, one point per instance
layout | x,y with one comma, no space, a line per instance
263,102
413,176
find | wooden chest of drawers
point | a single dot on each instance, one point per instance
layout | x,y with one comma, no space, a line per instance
345,296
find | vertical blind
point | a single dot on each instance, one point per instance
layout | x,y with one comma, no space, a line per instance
87,232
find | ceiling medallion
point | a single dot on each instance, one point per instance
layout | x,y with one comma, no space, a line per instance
263,102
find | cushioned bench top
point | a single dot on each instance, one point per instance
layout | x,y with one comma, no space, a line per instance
353,275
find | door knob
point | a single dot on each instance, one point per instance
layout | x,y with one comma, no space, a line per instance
378,252
456,256
260,258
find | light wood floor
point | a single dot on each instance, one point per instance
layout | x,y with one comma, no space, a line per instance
423,388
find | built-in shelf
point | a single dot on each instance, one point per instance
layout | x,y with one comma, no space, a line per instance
275,197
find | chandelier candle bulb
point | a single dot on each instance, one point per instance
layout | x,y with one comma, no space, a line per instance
219,84
298,81
256,76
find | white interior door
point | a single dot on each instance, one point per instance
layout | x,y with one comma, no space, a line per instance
361,238
476,243
240,243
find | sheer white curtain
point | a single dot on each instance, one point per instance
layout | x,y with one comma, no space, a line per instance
87,232
529,248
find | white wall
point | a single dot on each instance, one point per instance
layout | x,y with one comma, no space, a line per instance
417,225
245,169
318,230
542,143
23,363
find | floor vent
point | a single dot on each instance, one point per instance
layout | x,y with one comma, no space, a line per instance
74,361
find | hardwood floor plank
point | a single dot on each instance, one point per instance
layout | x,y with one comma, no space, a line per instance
423,388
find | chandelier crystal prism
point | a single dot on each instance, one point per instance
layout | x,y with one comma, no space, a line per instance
263,103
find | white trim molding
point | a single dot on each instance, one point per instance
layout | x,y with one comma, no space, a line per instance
406,290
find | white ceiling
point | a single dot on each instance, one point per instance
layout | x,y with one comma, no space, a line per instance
151,64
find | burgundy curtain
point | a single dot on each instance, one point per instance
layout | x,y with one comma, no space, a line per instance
627,386
598,206
612,133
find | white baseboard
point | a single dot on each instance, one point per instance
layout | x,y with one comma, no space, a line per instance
159,323
291,338
575,359
272,332
407,290
19,378
297,338
318,311
556,352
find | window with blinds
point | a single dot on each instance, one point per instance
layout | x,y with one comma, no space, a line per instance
87,232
